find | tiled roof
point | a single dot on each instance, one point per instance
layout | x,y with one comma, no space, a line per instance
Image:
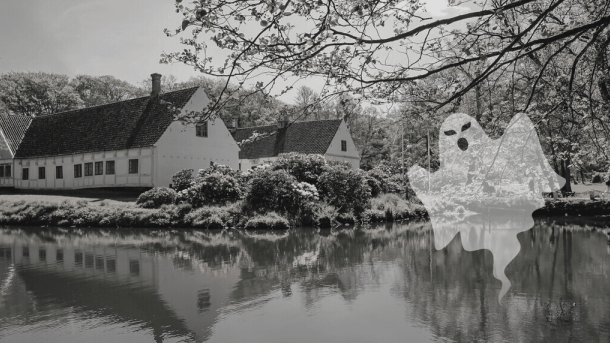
127,124
14,128
309,137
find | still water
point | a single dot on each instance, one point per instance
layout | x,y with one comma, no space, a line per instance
379,284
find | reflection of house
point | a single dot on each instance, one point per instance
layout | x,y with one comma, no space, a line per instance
329,138
121,284
132,143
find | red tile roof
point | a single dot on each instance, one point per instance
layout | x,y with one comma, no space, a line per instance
310,137
14,127
127,124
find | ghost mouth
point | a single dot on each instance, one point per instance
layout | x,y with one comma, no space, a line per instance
462,144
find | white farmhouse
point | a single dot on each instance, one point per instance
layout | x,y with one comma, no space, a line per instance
329,138
132,143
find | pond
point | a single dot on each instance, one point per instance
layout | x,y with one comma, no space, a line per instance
383,283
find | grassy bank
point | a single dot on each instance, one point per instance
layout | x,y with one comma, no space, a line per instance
83,213
79,212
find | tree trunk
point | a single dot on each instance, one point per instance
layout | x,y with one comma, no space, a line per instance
565,173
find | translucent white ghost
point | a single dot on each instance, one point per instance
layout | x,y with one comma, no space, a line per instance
485,189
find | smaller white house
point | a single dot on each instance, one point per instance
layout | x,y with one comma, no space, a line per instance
329,138
132,143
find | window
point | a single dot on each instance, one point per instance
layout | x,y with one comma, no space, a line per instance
133,166
42,173
78,170
25,174
89,169
99,168
59,172
202,130
343,145
109,167
211,164
240,166
2,171
7,171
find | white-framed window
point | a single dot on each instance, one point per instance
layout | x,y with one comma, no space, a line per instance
133,166
343,145
89,169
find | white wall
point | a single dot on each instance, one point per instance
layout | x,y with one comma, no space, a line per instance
248,164
334,150
121,177
179,147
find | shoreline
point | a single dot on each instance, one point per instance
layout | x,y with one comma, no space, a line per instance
82,214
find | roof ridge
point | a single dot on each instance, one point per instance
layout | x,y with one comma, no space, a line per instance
115,102
294,122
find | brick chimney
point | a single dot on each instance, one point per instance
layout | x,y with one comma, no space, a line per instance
283,121
156,85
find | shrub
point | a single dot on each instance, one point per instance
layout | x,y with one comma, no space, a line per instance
270,221
597,178
373,216
212,188
272,190
338,164
305,168
346,189
325,215
182,180
211,217
156,197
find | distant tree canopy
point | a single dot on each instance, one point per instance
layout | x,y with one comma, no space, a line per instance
99,90
39,93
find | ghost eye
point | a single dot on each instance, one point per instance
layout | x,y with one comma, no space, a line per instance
466,126
450,133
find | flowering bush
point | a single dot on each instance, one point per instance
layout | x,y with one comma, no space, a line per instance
270,221
345,189
156,197
182,180
272,190
305,168
213,188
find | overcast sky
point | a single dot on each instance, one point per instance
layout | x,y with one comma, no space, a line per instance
123,38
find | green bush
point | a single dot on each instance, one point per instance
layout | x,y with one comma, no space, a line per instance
214,188
346,189
156,197
182,180
269,221
304,168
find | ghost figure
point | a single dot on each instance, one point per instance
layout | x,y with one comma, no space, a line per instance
485,189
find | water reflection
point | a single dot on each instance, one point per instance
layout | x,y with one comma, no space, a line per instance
385,283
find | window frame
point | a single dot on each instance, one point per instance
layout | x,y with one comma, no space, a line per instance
59,172
78,171
88,169
42,173
25,174
130,165
201,130
108,170
8,170
98,167
343,145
